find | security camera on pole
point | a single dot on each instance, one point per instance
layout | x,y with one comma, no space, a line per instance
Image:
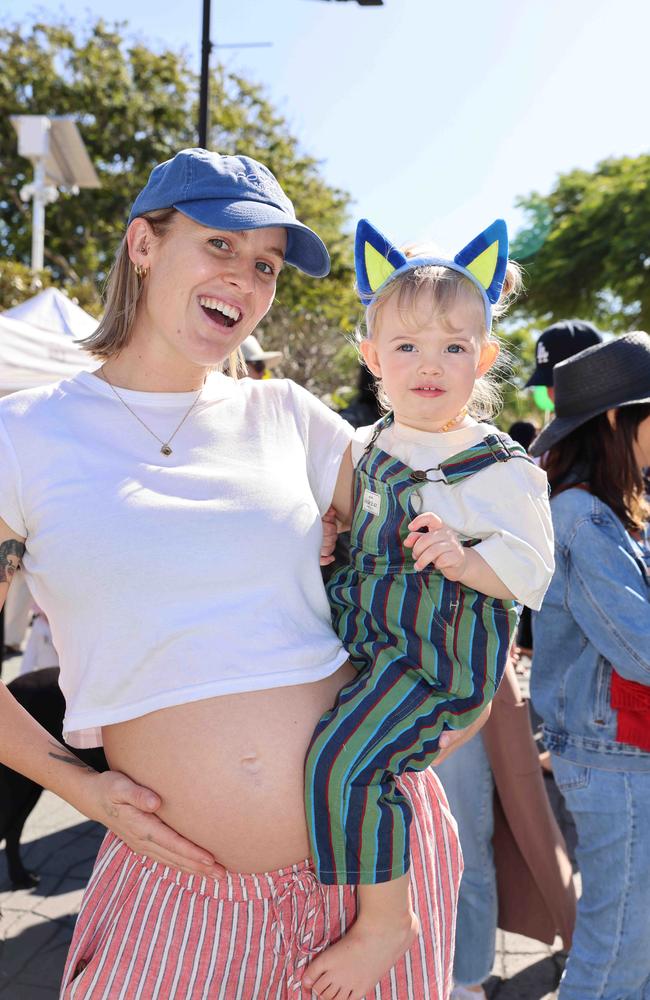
60,162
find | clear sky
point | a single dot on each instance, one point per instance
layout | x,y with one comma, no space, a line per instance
434,116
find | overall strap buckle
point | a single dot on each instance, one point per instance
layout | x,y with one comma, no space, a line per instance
379,426
499,447
422,475
493,448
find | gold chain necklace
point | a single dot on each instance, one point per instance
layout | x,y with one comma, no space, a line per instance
165,449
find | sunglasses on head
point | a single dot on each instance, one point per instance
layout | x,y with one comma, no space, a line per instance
257,366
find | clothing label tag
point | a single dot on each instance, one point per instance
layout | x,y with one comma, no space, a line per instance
371,502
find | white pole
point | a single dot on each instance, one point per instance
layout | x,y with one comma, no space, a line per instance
38,215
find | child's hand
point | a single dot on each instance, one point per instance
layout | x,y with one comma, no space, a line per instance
434,543
450,739
330,534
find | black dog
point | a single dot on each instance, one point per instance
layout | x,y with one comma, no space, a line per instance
40,695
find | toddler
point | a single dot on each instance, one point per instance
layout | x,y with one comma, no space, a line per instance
451,531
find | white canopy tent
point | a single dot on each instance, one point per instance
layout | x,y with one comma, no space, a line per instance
37,341
53,310
37,346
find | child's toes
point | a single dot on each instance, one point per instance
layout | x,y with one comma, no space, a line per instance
332,992
322,986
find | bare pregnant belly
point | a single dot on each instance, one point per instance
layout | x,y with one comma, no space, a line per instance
229,770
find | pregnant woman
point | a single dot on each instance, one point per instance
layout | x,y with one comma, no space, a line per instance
169,521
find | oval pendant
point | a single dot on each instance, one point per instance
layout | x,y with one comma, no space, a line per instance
165,450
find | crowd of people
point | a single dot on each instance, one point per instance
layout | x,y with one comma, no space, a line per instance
275,827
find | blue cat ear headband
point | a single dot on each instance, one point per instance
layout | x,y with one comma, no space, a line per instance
483,262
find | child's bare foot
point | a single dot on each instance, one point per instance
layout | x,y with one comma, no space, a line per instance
352,967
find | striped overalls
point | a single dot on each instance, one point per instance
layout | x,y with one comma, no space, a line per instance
430,655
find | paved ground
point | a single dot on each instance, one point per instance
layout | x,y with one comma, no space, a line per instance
60,844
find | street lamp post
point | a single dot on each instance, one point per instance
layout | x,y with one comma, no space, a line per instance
60,161
206,48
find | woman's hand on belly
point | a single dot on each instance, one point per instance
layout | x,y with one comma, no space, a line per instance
229,770
128,809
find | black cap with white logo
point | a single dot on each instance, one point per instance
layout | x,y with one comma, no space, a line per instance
559,342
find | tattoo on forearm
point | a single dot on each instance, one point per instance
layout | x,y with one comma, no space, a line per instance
68,758
11,552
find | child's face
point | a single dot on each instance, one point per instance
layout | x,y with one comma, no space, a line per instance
428,365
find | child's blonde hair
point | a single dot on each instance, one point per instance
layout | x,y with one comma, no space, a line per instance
442,288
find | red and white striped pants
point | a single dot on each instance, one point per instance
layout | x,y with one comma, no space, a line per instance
149,932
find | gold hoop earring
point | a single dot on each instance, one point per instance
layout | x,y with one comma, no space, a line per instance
140,271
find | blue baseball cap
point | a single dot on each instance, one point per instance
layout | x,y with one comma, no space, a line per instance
231,193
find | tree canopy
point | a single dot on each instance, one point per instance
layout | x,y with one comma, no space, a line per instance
135,107
586,246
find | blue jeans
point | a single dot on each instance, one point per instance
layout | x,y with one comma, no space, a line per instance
468,782
610,955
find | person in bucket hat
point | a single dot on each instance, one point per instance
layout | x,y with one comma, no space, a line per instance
590,677
600,378
169,524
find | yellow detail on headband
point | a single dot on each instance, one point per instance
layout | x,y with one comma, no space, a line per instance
378,269
484,266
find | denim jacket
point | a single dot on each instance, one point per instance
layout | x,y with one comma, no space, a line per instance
595,615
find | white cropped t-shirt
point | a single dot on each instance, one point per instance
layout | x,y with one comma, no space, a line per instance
171,579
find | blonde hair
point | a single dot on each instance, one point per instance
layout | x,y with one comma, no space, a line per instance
441,288
123,291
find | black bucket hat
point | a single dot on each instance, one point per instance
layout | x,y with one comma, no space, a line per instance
600,378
